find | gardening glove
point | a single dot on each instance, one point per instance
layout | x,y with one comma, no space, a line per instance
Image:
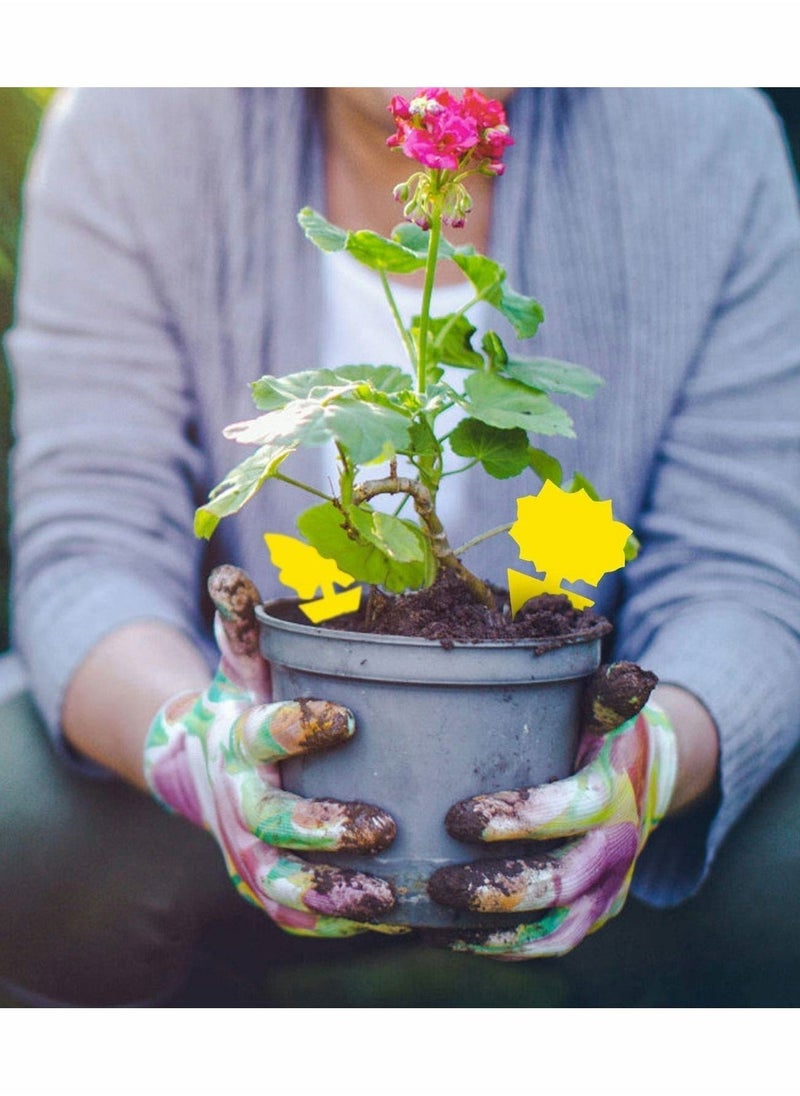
212,757
624,779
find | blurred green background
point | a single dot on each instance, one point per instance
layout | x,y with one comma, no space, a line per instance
20,114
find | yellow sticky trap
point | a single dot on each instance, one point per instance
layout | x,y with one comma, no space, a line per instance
570,537
304,570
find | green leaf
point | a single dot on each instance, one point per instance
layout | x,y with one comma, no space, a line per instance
398,538
299,422
485,274
494,350
416,239
239,486
523,313
383,378
379,549
452,341
367,247
378,253
422,440
504,403
489,278
326,236
439,397
503,453
579,482
545,466
551,375
632,548
366,408
412,237
369,431
271,393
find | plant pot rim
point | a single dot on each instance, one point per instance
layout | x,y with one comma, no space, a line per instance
538,645
364,655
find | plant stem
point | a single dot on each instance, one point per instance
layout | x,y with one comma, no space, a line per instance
303,486
457,471
433,528
482,537
346,475
427,293
408,342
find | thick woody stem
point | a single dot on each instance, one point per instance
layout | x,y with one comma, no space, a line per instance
434,530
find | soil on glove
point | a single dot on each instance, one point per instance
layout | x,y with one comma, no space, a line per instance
448,612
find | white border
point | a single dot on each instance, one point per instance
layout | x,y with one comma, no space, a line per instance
256,42
399,1052
354,1051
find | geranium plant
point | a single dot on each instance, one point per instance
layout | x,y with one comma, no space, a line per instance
377,416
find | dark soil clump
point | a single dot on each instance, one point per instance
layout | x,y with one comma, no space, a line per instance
448,612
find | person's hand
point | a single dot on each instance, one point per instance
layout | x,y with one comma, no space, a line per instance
212,757
624,779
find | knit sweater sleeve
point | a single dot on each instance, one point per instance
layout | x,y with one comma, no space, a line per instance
713,604
105,463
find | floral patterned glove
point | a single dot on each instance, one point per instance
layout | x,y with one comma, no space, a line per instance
622,787
212,757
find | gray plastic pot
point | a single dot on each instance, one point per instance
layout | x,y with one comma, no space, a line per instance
434,725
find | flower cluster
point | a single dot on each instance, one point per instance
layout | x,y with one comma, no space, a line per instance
443,132
451,138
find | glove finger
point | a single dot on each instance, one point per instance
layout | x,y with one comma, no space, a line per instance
297,921
290,889
322,825
539,882
266,733
235,597
597,794
554,934
325,889
557,932
334,928
615,693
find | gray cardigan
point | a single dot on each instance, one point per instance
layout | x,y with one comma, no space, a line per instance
162,270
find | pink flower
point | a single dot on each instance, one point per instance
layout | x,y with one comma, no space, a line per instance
398,106
445,133
486,112
495,136
432,129
444,142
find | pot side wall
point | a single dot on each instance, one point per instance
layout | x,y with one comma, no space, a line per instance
422,744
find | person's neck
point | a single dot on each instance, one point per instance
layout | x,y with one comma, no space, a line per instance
361,173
